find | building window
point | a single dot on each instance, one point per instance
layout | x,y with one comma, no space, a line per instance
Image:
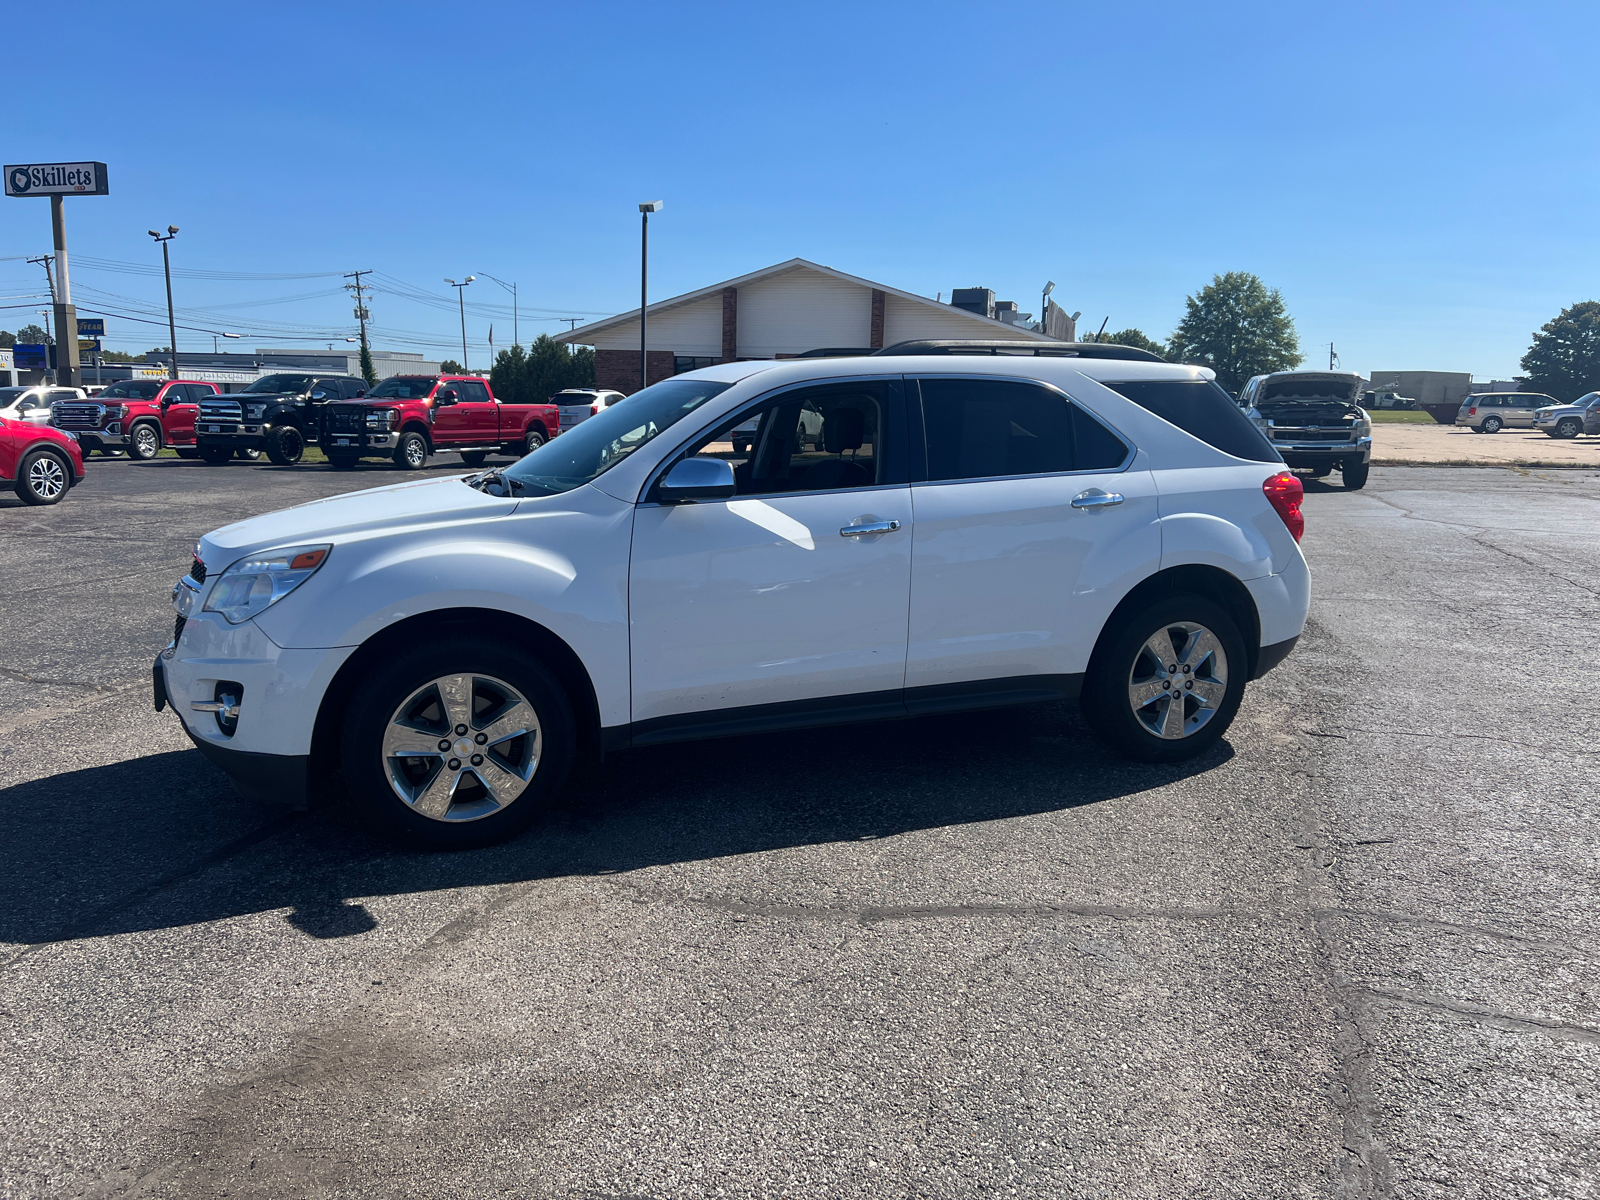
683,362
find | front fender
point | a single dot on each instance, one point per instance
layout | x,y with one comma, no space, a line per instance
560,562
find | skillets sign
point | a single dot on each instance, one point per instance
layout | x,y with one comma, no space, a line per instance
57,179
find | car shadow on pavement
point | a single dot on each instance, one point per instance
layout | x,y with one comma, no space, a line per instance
165,841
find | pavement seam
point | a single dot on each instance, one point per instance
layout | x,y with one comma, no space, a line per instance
1483,1015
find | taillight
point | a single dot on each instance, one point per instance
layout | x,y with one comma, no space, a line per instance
1284,493
594,410
1473,411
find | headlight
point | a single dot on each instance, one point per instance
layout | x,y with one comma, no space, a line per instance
120,411
254,412
381,420
256,583
1363,427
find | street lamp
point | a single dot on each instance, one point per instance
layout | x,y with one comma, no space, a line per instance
166,266
644,286
512,288
215,336
461,293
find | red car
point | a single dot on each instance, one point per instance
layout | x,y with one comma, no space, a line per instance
137,415
408,417
40,462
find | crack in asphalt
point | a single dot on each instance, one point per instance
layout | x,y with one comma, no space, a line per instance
1483,1015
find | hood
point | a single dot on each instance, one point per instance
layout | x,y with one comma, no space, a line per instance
393,509
1563,409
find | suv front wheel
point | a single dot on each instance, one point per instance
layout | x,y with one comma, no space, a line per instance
458,745
1165,681
43,478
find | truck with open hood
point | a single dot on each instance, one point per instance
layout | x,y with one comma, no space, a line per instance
1314,419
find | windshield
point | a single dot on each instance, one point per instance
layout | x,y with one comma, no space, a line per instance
9,395
401,387
600,443
280,383
132,389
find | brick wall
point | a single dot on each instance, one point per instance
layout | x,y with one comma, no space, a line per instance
876,333
730,324
619,369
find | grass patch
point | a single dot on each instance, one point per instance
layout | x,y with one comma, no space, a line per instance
1399,416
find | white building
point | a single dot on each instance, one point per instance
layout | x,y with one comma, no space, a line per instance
777,312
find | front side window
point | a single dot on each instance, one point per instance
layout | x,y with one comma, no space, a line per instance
821,439
471,391
980,428
588,450
402,387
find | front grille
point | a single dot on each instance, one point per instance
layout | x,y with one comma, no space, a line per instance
1311,435
79,416
221,410
198,571
345,418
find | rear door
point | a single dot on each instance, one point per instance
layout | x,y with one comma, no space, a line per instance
1029,527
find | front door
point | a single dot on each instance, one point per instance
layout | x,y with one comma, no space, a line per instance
1028,532
795,591
473,420
179,408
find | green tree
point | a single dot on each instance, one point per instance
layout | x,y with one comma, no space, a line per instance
32,335
7,340
1564,360
582,367
1238,328
368,371
450,367
508,376
120,356
1137,339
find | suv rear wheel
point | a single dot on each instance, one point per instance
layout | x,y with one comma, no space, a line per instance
43,478
286,445
1165,681
458,745
145,443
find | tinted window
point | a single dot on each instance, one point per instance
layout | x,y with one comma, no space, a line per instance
402,387
352,388
470,390
271,384
983,428
1202,410
131,389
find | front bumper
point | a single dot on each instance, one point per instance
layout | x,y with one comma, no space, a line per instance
1312,454
235,437
361,443
279,690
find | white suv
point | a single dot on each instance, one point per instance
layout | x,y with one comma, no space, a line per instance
975,531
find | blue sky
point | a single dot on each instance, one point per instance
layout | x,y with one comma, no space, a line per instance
1420,180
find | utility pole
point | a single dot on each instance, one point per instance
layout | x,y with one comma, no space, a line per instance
359,289
45,260
166,266
516,339
572,322
1332,357
461,292
644,286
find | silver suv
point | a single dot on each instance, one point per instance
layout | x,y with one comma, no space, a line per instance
1569,420
1490,412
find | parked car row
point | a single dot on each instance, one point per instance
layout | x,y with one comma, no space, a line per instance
1569,420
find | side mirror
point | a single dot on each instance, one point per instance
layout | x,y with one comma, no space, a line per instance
447,396
360,392
697,479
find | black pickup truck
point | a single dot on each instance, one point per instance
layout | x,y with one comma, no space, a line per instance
277,413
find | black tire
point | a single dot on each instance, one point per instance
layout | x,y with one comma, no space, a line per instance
43,477
144,442
217,455
343,462
473,458
533,441
1355,475
1106,702
1491,425
411,453
251,455
390,685
286,445
1568,427
189,452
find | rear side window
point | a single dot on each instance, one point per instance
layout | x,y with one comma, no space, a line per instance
1203,410
987,428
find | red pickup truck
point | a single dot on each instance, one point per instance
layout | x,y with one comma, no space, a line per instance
408,417
136,415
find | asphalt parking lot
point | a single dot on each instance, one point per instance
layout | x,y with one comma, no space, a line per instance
1351,953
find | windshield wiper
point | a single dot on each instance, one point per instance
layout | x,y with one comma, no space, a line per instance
509,486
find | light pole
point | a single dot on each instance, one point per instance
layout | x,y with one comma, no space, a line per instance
461,293
1044,307
644,286
166,266
516,340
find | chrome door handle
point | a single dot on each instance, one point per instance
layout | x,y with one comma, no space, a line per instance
871,527
1095,498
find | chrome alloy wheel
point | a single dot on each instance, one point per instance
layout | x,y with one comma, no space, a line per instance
462,747
145,443
47,477
1178,680
416,453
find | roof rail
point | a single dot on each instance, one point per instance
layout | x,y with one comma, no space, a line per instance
1023,349
838,352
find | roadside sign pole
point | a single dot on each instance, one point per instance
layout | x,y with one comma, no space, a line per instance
67,368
